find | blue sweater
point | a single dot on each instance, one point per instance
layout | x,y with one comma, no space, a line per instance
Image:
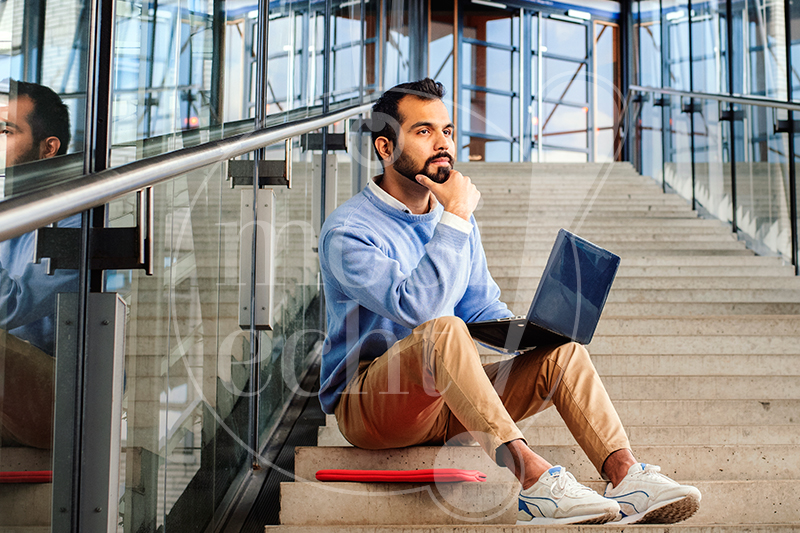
28,294
386,272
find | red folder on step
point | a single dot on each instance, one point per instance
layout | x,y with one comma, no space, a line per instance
43,476
431,475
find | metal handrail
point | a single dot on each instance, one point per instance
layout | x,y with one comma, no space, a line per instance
734,99
24,213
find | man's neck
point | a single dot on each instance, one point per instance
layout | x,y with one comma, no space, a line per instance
417,198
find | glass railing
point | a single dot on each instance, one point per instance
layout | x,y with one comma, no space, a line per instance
193,390
732,157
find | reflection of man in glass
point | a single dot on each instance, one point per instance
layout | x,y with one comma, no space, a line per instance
35,125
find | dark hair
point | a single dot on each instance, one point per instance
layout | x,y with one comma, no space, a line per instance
386,106
49,118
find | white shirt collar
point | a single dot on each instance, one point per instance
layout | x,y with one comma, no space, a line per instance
391,200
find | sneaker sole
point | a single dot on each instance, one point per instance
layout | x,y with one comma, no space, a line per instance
585,519
668,512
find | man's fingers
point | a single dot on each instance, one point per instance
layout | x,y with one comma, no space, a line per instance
425,181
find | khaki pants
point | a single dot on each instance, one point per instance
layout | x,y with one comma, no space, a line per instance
430,388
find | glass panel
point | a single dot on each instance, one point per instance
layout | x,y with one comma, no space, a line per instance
762,62
676,19
564,80
494,68
563,156
440,51
346,41
489,67
564,38
649,44
289,38
762,182
42,94
678,150
712,165
185,415
397,51
286,351
566,126
165,88
794,14
490,114
708,63
43,61
607,94
34,306
239,63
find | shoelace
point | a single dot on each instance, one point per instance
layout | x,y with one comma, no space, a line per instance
652,472
567,484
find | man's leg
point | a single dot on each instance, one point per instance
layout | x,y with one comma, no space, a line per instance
26,393
406,396
564,376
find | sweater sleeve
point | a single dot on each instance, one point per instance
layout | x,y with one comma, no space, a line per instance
481,300
361,264
29,294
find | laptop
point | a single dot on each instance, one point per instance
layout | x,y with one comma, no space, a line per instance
568,301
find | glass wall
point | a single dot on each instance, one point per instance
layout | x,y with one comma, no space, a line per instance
733,160
184,74
43,61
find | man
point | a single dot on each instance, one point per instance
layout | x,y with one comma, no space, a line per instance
404,270
35,125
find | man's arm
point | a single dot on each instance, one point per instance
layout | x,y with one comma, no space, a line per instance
358,260
481,301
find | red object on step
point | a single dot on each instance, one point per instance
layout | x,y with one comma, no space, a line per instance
431,475
43,476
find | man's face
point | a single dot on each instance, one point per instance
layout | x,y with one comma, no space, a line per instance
425,140
16,131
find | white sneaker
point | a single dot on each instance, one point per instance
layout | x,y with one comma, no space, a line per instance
557,498
645,496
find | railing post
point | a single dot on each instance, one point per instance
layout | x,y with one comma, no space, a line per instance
792,167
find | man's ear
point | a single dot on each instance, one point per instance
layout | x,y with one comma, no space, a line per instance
49,147
384,147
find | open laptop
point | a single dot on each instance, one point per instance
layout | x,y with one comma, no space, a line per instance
568,301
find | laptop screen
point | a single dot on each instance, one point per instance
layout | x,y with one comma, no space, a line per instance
574,287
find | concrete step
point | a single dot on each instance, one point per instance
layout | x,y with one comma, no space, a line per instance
399,503
729,502
695,344
499,261
707,463
761,388
680,295
697,365
712,325
684,309
674,435
691,412
511,269
479,528
697,282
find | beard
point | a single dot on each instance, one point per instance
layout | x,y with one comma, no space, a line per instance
405,166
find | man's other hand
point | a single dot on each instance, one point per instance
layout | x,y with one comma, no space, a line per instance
458,195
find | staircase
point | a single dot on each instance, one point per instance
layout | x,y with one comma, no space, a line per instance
699,348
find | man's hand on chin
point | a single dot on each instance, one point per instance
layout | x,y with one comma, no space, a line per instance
458,195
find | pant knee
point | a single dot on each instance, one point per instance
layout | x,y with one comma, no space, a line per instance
447,331
571,354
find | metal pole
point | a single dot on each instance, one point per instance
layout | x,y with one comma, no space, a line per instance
792,166
262,51
732,122
691,110
539,106
520,91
